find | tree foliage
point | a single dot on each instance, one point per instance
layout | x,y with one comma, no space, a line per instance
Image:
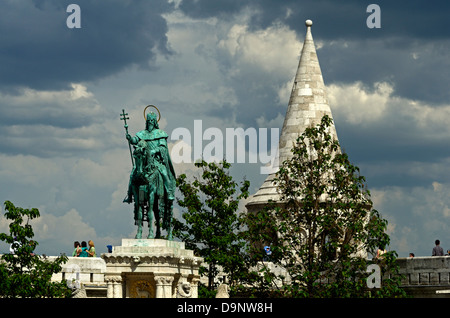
22,273
323,229
211,222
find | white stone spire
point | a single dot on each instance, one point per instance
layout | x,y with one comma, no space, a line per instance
307,105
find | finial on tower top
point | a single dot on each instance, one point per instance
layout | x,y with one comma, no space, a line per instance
308,23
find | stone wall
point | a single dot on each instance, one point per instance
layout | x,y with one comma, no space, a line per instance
426,276
152,268
84,273
423,276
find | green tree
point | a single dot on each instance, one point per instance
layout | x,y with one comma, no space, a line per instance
324,228
211,223
22,273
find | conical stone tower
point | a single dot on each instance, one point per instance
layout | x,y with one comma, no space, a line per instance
307,105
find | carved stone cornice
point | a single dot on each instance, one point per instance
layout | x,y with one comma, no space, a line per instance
111,259
113,279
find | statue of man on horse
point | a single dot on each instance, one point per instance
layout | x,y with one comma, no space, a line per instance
152,179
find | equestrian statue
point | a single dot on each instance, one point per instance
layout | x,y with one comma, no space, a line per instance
152,178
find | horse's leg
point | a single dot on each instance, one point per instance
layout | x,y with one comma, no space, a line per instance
160,213
157,218
168,216
139,220
158,225
151,201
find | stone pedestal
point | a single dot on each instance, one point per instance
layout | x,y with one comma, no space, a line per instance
151,268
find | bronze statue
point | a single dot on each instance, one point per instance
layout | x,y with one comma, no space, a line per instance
152,179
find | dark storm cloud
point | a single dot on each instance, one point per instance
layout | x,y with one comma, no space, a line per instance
410,50
391,143
417,70
395,150
64,113
336,19
39,51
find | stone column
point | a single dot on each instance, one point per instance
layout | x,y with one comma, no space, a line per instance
194,286
118,288
164,286
114,287
109,287
156,265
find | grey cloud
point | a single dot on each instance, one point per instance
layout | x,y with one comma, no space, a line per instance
418,215
61,159
410,49
335,19
37,49
51,123
418,70
62,114
395,151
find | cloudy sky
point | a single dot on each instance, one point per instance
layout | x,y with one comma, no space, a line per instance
225,64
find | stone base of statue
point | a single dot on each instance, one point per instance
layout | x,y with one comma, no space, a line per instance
151,268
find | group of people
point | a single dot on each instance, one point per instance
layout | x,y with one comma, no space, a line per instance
437,250
82,250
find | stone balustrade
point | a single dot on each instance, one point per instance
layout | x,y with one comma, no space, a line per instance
81,269
86,273
423,276
426,276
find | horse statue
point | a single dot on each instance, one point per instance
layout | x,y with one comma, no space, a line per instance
152,180
144,185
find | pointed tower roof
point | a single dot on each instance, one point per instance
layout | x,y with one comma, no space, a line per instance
307,105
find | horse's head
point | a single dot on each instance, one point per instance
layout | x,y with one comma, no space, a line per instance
140,156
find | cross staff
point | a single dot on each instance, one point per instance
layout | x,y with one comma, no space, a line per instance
124,117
